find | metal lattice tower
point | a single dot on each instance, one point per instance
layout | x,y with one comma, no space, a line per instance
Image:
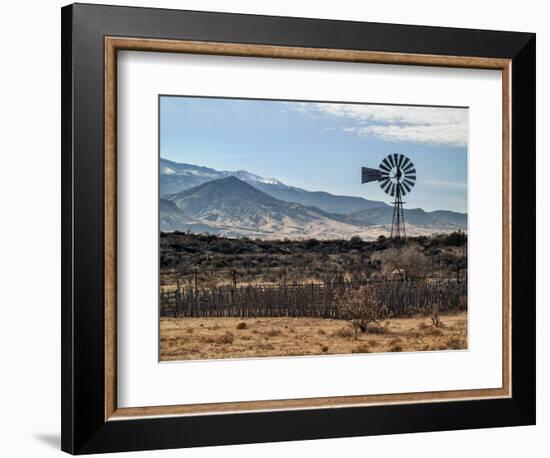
396,175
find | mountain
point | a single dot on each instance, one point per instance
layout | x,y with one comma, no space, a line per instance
327,202
176,177
459,219
439,220
173,219
240,203
234,208
230,207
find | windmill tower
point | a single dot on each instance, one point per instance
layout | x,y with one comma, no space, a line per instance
396,175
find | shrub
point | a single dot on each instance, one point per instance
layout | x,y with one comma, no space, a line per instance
457,238
207,339
273,332
436,320
361,307
409,260
324,348
242,325
225,338
395,345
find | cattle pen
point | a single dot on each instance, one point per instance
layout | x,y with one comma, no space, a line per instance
401,297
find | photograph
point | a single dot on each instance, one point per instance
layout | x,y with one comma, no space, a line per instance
273,217
294,228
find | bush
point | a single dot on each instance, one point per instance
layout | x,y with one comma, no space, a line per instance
434,316
395,345
362,308
458,238
422,326
273,332
242,325
226,338
396,348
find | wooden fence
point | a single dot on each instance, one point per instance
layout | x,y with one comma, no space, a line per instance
401,298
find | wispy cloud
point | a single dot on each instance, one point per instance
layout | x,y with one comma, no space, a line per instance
447,184
429,125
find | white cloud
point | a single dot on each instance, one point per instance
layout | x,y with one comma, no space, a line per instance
447,184
430,125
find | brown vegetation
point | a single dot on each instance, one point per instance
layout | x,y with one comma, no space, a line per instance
216,338
206,260
362,307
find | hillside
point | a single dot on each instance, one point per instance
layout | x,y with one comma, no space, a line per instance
233,208
176,177
438,220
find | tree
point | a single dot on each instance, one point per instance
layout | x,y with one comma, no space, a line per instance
457,238
409,260
361,307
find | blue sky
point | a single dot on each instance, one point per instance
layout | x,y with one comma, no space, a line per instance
322,146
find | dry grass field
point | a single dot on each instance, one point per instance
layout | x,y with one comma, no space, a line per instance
218,338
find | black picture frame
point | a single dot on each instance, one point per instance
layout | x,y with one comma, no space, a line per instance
84,429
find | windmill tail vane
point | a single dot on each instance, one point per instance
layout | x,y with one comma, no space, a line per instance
396,176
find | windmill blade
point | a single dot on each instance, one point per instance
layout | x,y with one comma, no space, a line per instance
408,168
392,192
390,160
406,162
384,182
411,177
368,175
387,187
385,166
406,187
384,175
395,157
409,183
400,160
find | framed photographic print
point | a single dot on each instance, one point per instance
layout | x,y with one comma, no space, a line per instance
282,228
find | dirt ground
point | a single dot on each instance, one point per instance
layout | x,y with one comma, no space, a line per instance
217,338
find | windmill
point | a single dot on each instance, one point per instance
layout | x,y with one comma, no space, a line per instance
396,175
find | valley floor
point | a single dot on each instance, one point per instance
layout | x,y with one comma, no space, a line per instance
218,338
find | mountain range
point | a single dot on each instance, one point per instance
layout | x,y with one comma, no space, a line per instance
242,204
